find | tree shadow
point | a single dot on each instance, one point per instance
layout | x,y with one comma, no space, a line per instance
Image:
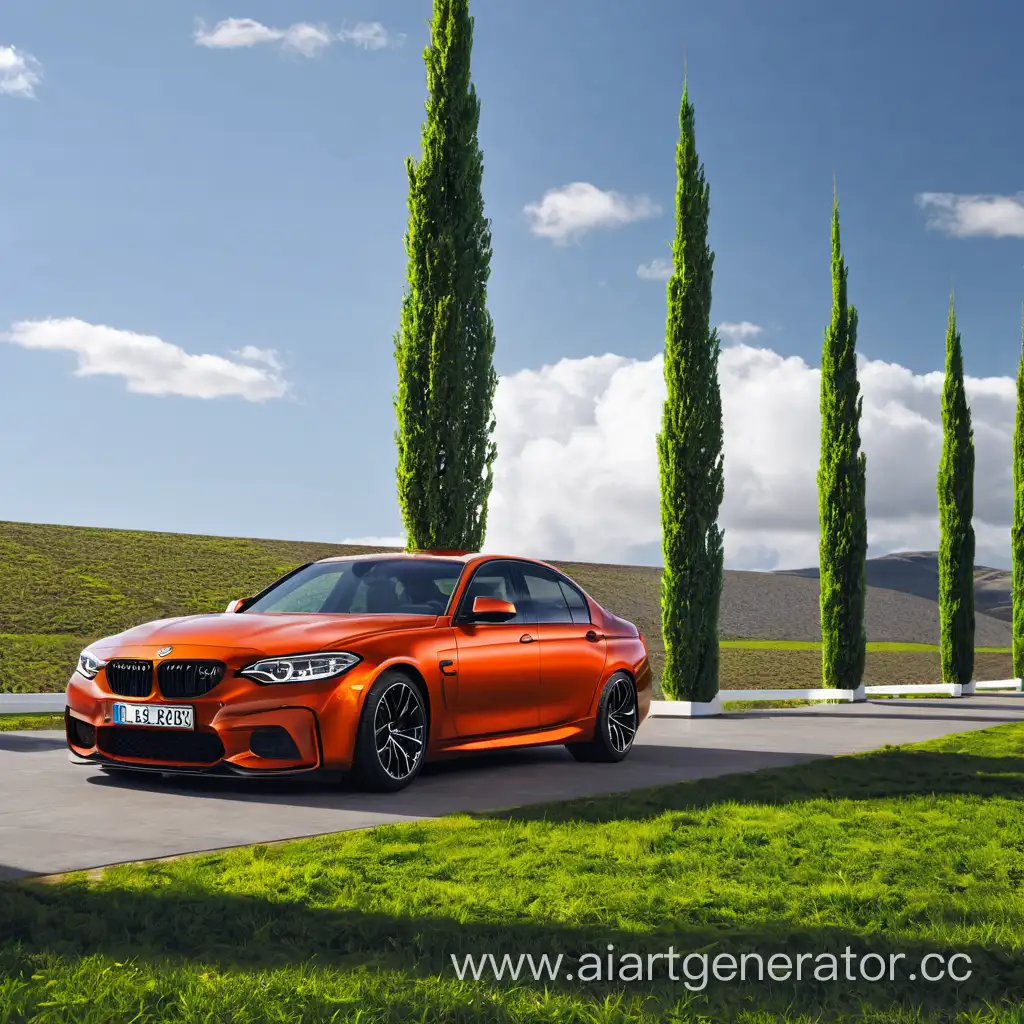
894,772
174,925
170,927
29,742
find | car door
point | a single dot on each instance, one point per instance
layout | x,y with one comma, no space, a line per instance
499,662
571,665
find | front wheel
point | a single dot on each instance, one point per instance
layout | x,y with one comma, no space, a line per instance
392,735
616,725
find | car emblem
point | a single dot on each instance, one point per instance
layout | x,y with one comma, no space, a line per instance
164,651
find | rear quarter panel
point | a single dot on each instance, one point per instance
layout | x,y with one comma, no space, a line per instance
626,653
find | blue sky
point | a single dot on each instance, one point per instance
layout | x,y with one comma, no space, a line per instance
220,198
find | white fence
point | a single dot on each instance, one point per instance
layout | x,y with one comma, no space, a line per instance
30,703
691,709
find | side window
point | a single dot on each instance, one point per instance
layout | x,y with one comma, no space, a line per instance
492,579
547,602
576,601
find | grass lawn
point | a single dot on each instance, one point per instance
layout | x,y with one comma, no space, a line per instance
815,645
61,587
17,723
911,850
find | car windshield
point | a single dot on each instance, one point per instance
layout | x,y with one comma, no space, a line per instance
366,586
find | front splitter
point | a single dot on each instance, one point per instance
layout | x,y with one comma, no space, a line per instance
223,769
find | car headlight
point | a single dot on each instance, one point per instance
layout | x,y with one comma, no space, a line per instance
301,668
89,664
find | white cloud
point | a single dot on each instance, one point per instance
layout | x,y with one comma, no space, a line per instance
20,73
302,37
566,214
656,270
738,332
252,354
376,542
577,470
149,365
964,216
370,35
236,33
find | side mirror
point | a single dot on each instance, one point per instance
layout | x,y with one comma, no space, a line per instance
235,606
492,609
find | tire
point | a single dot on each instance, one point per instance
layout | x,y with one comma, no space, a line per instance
392,735
615,726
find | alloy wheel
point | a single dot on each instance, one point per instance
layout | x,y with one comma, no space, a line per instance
399,730
621,715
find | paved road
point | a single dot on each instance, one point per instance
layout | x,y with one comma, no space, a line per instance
56,817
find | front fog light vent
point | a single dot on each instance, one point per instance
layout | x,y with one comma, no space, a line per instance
274,743
80,734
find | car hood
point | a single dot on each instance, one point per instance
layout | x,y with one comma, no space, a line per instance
271,634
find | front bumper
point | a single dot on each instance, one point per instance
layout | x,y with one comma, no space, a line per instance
318,720
223,769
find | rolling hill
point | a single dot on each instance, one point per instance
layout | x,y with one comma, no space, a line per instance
62,587
917,573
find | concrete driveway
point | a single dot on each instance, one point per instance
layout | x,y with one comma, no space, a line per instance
57,817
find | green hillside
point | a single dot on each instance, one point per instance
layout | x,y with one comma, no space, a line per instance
62,587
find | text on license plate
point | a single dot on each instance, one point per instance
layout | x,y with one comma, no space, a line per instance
161,716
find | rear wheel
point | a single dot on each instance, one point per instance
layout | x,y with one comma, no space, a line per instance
392,736
616,725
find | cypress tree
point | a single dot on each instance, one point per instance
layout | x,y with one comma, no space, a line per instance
841,490
690,457
1017,534
444,347
956,509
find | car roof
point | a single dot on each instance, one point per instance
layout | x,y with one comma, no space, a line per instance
461,556
457,556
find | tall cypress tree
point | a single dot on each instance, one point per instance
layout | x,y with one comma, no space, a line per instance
690,455
956,510
444,347
1017,535
841,490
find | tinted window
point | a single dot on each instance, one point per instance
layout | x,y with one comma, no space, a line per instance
492,579
366,586
576,601
547,602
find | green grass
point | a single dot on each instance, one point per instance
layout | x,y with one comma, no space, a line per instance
38,664
93,582
62,587
909,850
815,645
18,723
757,667
769,705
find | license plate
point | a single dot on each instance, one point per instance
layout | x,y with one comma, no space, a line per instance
158,716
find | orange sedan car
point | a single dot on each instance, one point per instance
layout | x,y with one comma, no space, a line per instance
371,664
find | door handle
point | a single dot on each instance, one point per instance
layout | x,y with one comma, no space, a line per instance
526,639
592,636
